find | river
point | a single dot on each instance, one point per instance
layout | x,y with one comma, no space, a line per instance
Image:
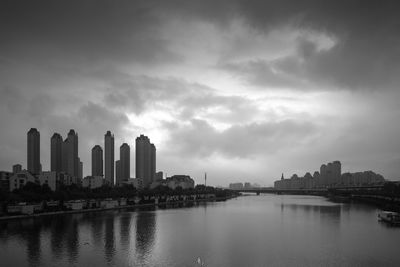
265,230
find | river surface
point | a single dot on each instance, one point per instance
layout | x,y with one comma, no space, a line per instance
266,230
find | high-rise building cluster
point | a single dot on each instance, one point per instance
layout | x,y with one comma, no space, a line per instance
145,160
66,167
330,176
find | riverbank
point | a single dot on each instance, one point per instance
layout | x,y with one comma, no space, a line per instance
62,212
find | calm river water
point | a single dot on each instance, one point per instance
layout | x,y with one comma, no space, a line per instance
266,230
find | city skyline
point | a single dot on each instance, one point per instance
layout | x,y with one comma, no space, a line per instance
244,90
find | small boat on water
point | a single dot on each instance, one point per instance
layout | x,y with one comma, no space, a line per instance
389,217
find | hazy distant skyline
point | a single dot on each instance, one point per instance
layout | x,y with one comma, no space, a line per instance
242,90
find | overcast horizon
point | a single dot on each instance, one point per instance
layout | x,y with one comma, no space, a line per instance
242,90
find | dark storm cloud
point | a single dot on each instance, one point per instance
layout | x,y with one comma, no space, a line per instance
367,54
91,65
83,31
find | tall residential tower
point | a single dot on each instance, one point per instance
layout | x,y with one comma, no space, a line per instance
97,161
34,165
109,157
145,160
124,159
56,144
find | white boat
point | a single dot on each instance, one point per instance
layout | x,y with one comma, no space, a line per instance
389,217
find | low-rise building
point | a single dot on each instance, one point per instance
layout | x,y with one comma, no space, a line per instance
20,179
5,180
136,182
93,182
50,178
183,181
236,186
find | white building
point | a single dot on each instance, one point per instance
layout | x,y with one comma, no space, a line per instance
18,180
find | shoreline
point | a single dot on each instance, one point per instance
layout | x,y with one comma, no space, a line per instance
62,212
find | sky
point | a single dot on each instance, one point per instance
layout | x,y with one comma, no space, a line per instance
242,90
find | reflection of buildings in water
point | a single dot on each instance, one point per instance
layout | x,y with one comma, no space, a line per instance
125,230
145,231
96,228
72,237
32,237
109,239
57,236
326,211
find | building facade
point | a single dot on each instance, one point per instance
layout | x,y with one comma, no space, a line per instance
124,158
109,157
145,160
56,144
33,154
97,161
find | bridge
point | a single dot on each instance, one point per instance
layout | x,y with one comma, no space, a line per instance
310,191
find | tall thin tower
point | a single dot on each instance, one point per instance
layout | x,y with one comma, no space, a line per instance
97,161
56,144
124,159
34,151
109,157
73,163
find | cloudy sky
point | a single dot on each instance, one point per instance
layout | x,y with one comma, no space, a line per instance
244,90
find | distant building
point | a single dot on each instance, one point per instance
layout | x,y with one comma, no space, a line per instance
16,168
247,185
124,159
5,180
118,176
97,161
145,160
64,156
80,171
50,178
159,176
329,177
73,162
93,182
34,165
135,182
66,179
236,186
109,157
20,179
152,162
56,144
183,181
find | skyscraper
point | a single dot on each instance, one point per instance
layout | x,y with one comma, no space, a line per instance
118,170
56,144
72,154
109,157
34,165
64,156
124,158
152,162
145,160
97,161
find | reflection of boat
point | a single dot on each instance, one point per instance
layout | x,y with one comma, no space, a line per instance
389,217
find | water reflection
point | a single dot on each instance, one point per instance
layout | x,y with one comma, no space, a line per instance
329,213
251,231
72,237
33,244
109,242
125,230
145,234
